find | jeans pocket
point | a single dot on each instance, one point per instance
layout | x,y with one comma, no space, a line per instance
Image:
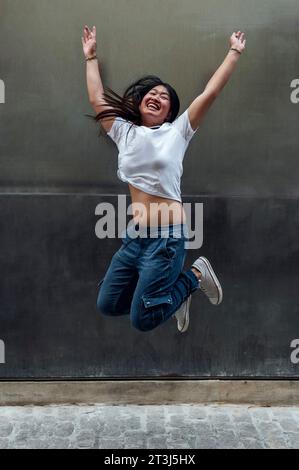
171,245
125,241
157,298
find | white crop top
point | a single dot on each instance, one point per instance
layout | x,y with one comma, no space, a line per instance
151,160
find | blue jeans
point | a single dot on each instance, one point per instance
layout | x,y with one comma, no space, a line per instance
145,278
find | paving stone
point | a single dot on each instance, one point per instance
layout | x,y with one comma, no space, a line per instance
261,414
205,442
226,440
293,440
251,443
180,444
245,430
4,443
157,443
85,439
197,413
172,427
43,444
155,428
133,422
288,424
64,429
111,444
96,423
135,444
58,444
6,429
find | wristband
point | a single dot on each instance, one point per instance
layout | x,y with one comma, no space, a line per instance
91,58
233,49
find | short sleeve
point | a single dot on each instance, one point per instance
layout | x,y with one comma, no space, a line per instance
119,130
182,124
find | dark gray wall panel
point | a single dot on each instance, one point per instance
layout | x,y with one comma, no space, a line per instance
52,261
248,142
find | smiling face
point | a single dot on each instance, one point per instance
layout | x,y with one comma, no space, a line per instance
155,107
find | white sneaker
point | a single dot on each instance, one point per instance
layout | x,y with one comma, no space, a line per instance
209,282
182,315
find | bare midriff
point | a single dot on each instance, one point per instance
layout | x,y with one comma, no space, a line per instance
150,210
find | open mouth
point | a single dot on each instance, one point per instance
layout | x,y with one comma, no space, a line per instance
153,106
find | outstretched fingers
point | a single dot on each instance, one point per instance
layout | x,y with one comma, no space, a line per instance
87,32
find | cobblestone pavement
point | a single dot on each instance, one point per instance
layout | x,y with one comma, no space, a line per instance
153,427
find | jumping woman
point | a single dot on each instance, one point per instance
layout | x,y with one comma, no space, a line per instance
145,278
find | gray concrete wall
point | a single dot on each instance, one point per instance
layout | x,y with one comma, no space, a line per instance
247,144
242,165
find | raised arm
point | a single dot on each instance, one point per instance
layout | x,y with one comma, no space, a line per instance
202,103
94,82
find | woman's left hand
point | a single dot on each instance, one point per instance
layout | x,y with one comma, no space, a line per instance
238,41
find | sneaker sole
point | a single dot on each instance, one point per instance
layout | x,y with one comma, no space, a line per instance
187,318
215,279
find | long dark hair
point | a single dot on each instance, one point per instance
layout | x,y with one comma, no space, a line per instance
127,106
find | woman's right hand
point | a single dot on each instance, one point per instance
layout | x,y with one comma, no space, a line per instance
89,41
